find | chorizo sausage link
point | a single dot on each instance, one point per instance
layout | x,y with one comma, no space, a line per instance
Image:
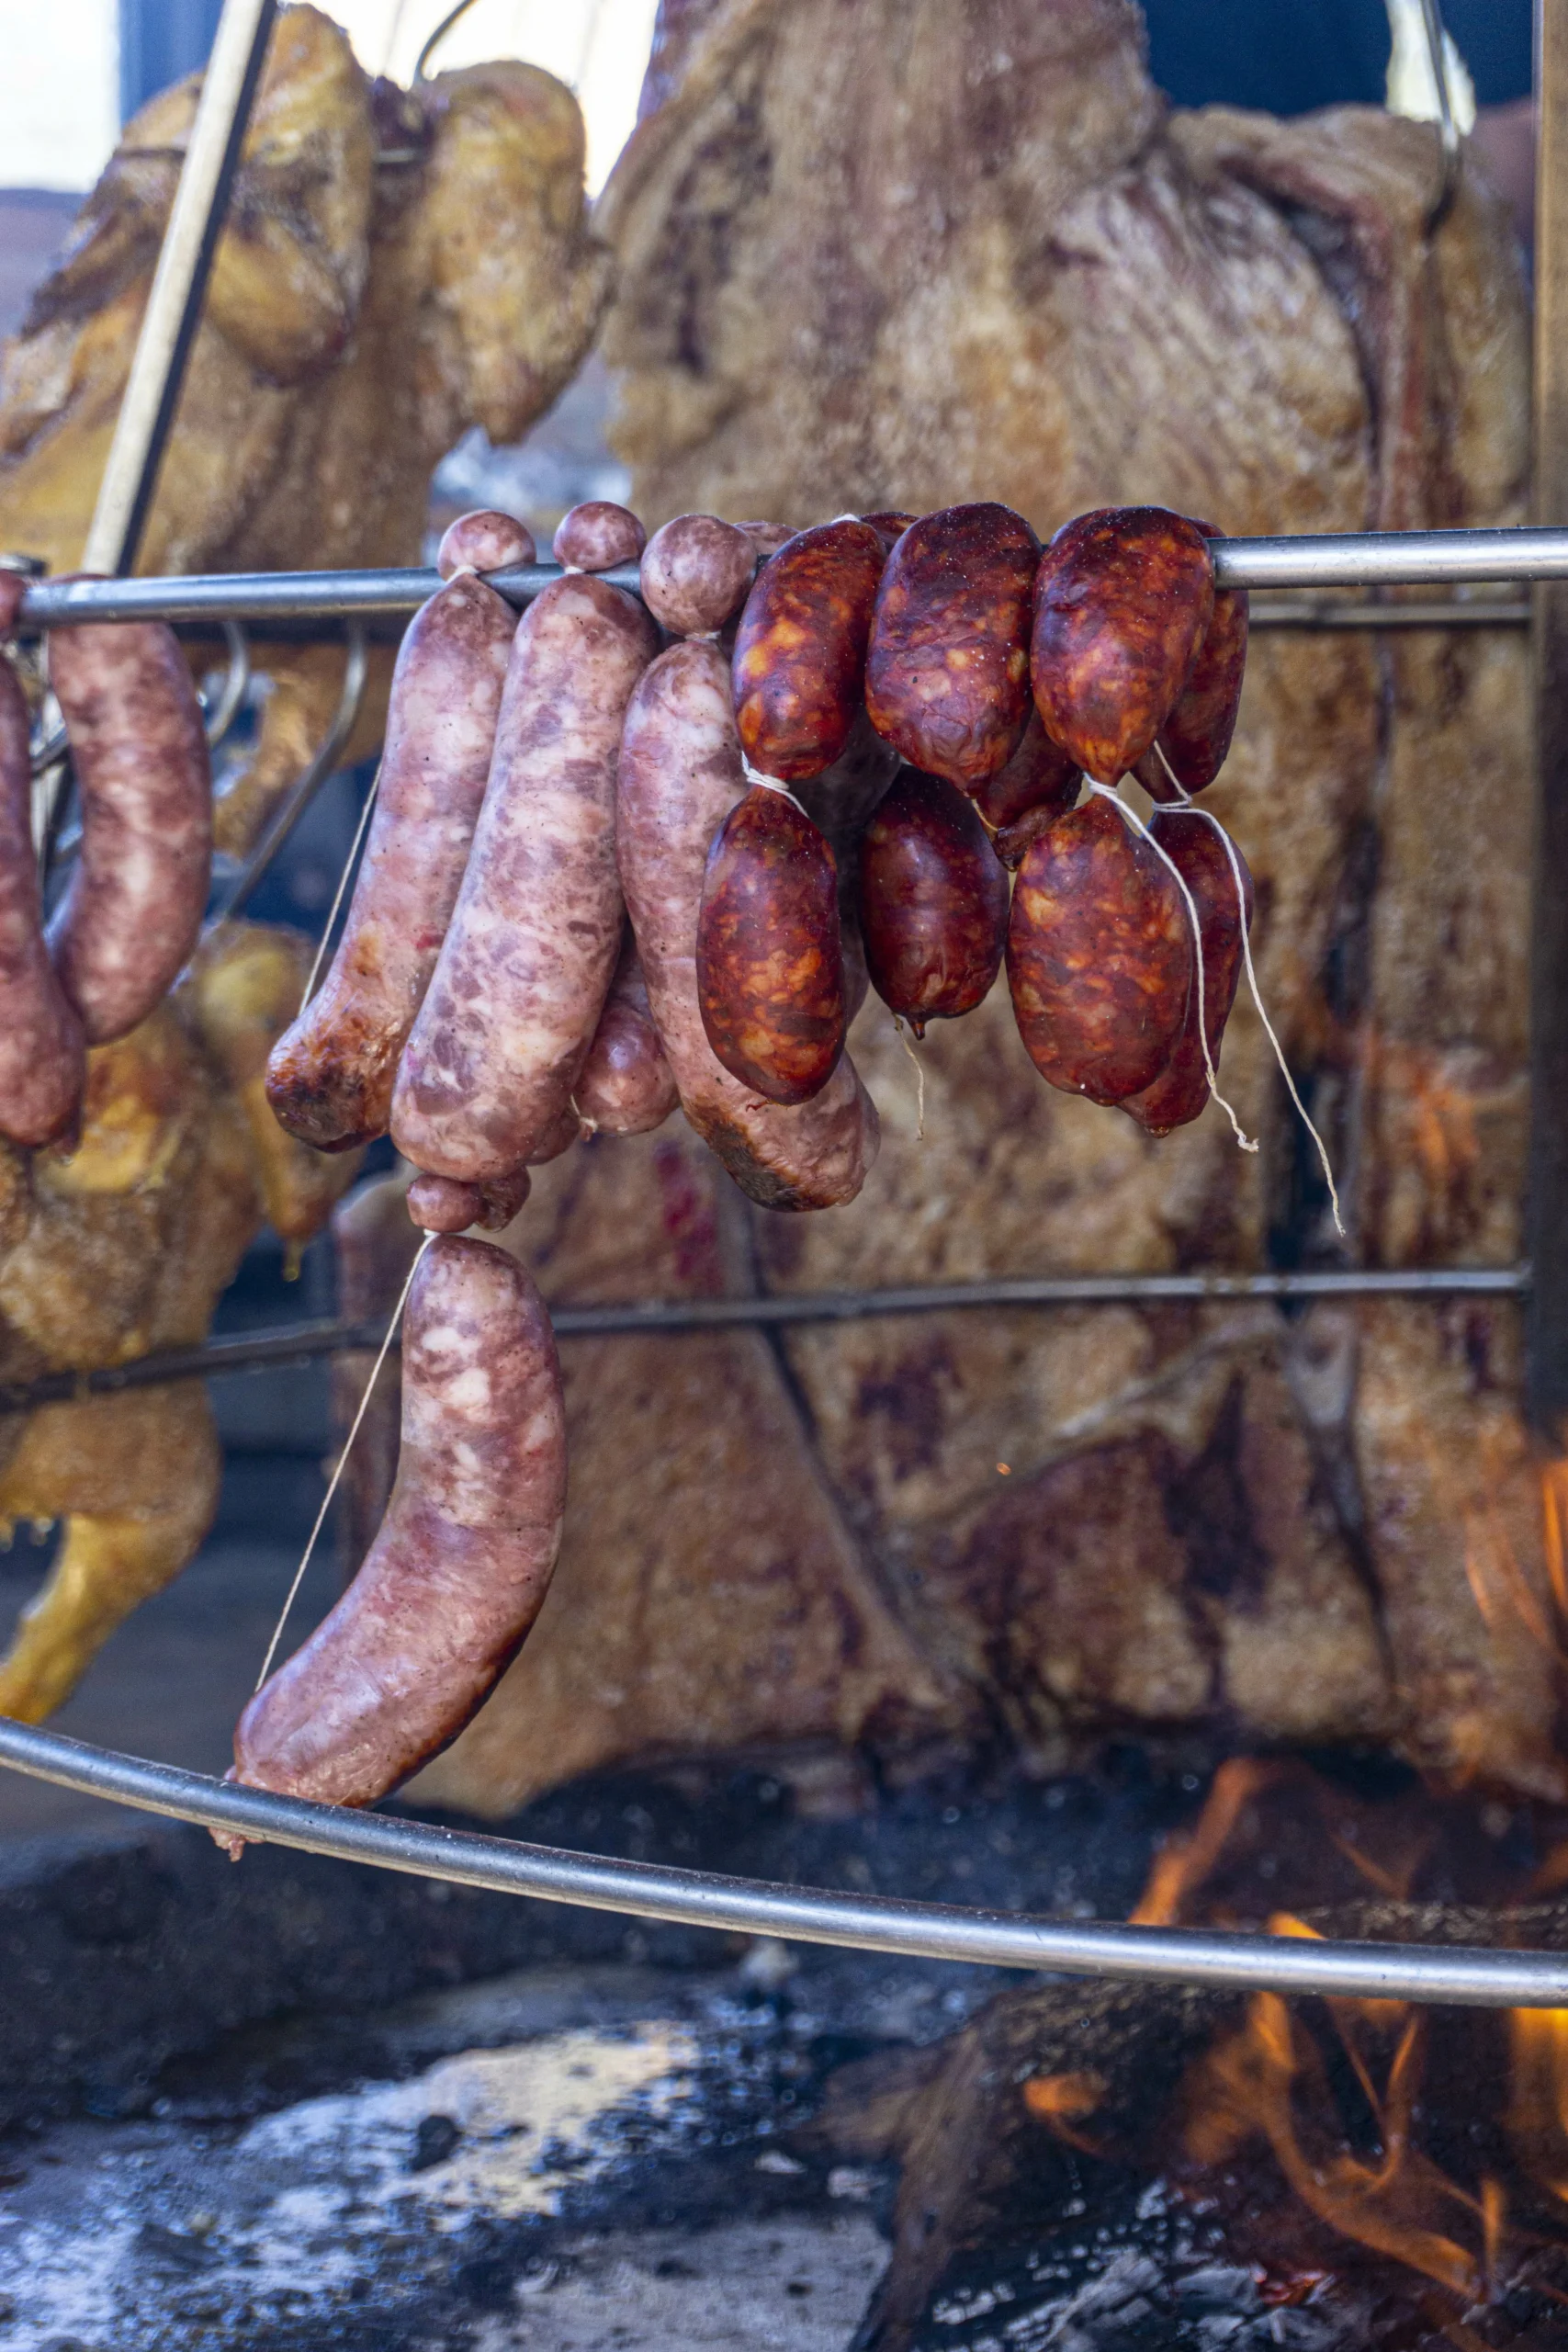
947,670
1197,733
800,653
1099,957
933,901
1195,849
770,965
680,776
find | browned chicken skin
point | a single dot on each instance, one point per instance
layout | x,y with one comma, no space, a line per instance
362,314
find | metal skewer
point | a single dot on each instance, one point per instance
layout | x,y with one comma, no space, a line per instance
1463,1976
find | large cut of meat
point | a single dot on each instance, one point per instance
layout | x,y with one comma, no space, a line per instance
396,266
897,252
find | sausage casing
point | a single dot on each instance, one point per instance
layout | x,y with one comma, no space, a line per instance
890,524
457,1573
947,669
1121,602
626,1086
440,1204
597,535
680,776
483,540
695,573
1099,957
132,910
506,1024
1039,775
1197,733
800,653
329,1078
42,1061
933,901
770,966
1195,849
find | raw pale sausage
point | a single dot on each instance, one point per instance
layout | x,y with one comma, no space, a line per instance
597,537
132,910
456,1577
440,1204
329,1078
521,980
484,540
626,1086
680,776
43,1061
695,573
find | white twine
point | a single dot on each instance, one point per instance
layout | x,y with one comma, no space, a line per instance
920,1076
770,784
1188,806
1136,822
342,1464
322,943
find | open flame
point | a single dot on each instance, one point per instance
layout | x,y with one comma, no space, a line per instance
1334,2087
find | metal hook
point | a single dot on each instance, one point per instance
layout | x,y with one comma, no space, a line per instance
1448,130
437,38
322,766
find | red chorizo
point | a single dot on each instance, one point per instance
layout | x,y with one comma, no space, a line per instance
1121,602
695,573
626,1086
800,653
1196,850
506,1024
890,524
133,911
597,537
484,540
947,670
440,1204
329,1077
1197,734
42,1061
1099,957
457,1573
933,901
1039,775
770,966
680,776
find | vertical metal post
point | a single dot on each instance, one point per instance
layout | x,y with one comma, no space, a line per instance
179,286
1548,1223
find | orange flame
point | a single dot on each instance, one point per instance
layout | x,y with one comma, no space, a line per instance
1249,2084
1061,2101
1184,1862
1536,2118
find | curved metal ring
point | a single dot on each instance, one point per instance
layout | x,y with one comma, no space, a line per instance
236,684
322,766
1466,1976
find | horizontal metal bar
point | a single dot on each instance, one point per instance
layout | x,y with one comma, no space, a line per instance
1311,614
1463,1976
299,1343
1342,559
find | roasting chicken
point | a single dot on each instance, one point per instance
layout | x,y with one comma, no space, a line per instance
122,1246
901,253
397,265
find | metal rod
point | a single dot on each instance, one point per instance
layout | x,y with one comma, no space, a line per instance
179,287
1341,559
1447,612
299,1343
1547,1211
1461,1974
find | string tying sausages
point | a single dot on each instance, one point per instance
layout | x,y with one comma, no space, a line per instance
1188,806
